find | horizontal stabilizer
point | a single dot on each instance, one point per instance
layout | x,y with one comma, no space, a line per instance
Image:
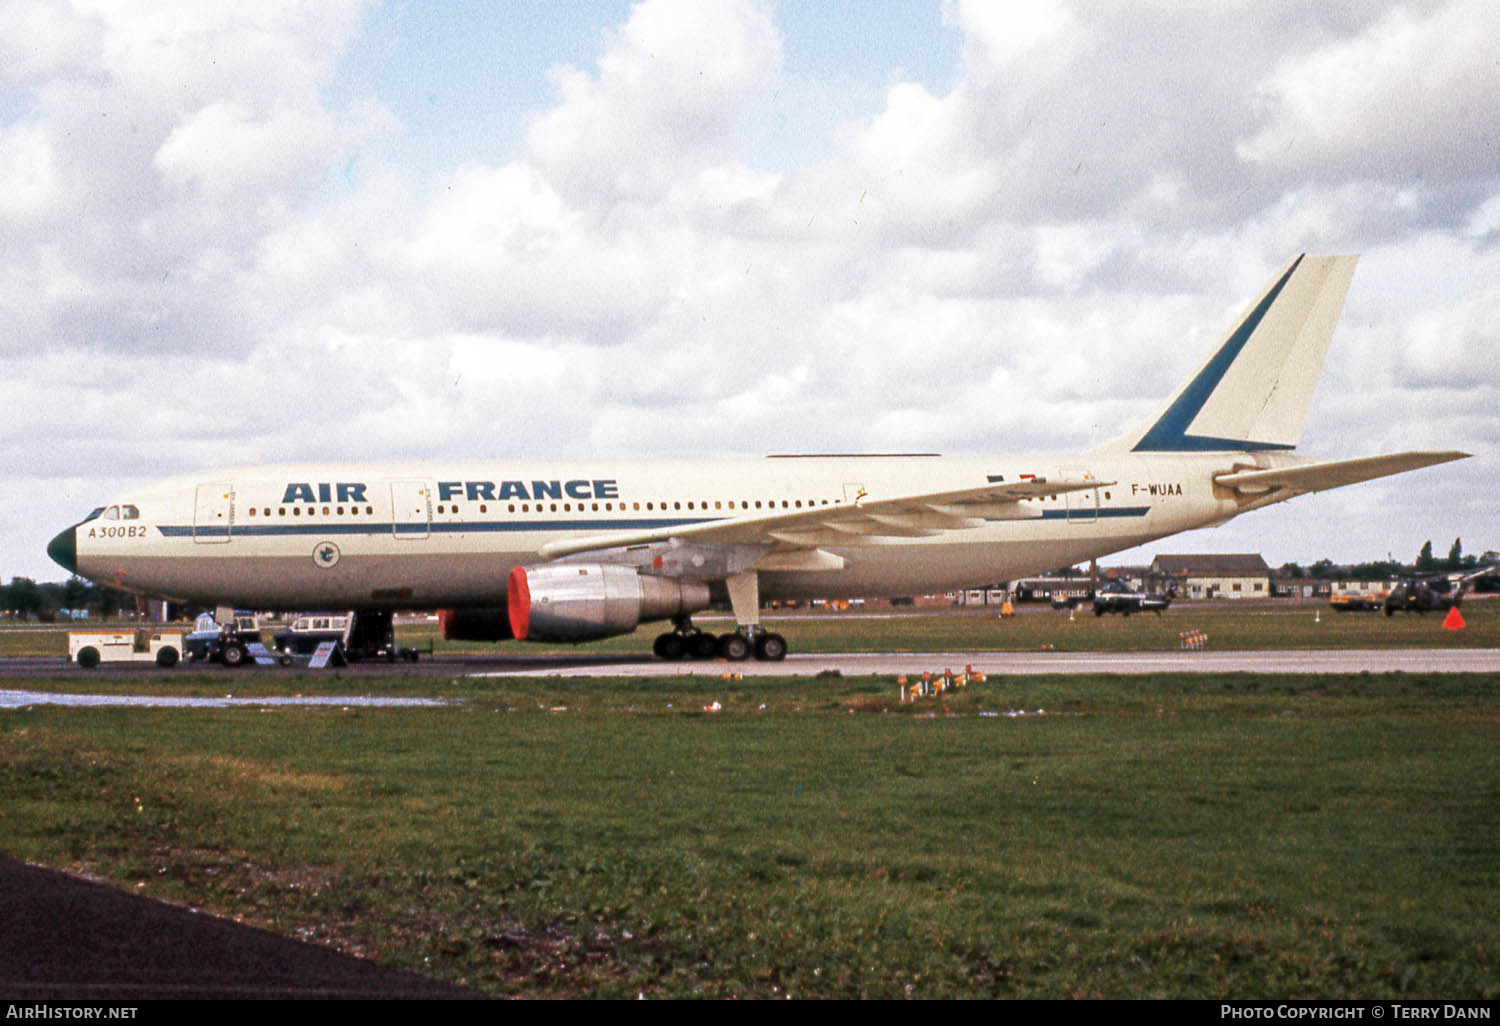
1317,477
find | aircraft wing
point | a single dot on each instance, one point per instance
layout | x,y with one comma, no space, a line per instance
866,521
1302,478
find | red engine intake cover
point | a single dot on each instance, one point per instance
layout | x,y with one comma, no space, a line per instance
519,603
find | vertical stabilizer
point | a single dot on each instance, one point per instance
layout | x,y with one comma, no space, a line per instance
1253,391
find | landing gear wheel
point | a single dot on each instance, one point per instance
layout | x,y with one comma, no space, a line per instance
770,648
670,647
734,647
702,646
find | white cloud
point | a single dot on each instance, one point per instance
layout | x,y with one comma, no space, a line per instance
209,261
1410,96
39,39
666,100
1002,36
29,186
224,149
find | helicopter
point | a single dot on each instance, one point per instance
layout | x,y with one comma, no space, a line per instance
1435,593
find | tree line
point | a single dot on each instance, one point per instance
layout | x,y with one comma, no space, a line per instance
1379,570
25,599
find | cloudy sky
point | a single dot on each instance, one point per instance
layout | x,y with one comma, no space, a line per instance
338,229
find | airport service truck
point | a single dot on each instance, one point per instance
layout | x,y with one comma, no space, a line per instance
90,648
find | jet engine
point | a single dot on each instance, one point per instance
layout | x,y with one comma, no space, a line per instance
582,602
475,624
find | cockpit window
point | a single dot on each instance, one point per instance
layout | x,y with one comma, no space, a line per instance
94,515
113,513
129,512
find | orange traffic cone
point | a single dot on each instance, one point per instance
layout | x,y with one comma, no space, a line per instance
1454,621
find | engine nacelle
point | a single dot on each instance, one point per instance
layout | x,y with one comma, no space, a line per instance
582,602
475,624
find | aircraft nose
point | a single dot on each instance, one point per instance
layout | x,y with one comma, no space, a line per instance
64,550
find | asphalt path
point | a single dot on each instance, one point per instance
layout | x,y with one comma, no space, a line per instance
1413,660
1455,660
64,938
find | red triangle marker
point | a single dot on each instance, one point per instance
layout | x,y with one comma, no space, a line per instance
1454,621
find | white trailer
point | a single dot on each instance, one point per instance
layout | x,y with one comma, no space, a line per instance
90,648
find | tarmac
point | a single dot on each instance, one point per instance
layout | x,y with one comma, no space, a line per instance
67,939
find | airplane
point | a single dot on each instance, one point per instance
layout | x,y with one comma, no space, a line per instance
576,551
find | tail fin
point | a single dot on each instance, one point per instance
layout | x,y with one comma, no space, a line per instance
1253,392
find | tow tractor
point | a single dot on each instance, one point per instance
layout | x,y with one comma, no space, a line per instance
227,642
90,648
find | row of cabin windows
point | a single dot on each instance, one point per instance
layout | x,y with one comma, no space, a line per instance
567,507
312,511
650,507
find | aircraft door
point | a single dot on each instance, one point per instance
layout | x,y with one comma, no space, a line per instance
411,509
213,513
1083,506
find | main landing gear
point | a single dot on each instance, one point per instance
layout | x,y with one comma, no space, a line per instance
687,641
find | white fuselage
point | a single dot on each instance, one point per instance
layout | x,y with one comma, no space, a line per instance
427,535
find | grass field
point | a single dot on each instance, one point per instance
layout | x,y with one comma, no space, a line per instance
1172,836
1230,627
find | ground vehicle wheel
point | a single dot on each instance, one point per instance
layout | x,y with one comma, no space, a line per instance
233,654
166,657
670,647
702,646
88,657
734,647
770,648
